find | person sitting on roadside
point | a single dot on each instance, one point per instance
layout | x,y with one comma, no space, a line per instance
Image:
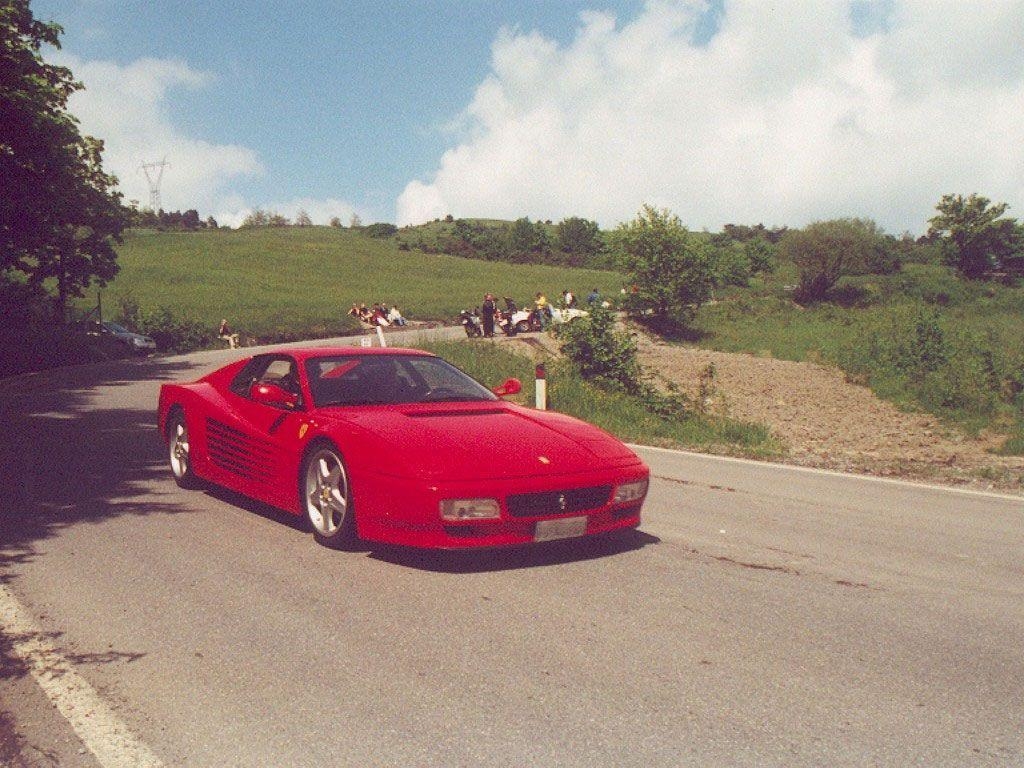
224,332
362,313
395,317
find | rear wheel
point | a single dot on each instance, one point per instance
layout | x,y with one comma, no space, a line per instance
523,326
327,498
178,450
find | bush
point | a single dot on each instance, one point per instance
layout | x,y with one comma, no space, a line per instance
381,230
732,266
600,353
171,333
940,364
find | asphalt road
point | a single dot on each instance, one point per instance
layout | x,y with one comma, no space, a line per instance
762,615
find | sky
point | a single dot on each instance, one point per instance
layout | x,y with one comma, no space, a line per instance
721,111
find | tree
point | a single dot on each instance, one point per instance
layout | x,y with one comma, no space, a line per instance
526,239
669,270
579,238
355,222
302,219
59,212
335,222
381,229
825,251
975,239
258,218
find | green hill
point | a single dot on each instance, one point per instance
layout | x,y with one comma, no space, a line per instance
296,279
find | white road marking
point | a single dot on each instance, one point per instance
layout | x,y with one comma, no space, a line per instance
830,472
102,732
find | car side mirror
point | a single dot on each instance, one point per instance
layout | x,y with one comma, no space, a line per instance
509,387
266,393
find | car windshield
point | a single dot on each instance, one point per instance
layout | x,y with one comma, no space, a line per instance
115,328
389,379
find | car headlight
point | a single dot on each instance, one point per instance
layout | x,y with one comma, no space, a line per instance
628,492
470,509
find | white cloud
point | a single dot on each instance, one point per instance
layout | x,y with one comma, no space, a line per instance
127,107
787,115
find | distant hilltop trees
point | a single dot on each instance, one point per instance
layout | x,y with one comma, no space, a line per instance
177,221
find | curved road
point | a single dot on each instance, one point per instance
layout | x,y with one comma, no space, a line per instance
763,615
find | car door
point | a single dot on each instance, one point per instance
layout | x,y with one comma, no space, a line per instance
256,445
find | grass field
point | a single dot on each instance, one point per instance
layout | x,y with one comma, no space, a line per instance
274,280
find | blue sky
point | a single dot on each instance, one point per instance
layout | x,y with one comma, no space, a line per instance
738,111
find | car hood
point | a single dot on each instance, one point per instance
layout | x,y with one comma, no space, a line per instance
472,441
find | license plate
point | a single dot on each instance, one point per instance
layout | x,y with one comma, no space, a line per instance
563,528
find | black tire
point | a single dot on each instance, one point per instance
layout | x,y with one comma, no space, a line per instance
523,326
178,449
325,495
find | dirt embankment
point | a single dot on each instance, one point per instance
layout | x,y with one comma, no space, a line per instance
825,421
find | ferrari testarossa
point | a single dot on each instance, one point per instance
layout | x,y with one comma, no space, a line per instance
397,446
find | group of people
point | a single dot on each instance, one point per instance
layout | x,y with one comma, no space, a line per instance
491,313
380,315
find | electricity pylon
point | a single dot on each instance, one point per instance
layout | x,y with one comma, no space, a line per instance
154,173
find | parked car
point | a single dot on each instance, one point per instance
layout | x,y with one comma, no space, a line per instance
525,321
133,342
397,446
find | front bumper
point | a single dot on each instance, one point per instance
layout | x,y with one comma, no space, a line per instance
406,511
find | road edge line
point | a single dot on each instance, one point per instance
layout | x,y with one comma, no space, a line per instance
102,732
831,473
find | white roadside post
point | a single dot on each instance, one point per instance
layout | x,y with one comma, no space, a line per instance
541,388
380,335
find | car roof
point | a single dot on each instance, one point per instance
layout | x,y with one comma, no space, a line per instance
306,353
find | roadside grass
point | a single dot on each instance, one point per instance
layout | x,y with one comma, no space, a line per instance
276,282
622,415
922,338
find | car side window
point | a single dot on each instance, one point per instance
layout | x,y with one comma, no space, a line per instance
282,373
246,377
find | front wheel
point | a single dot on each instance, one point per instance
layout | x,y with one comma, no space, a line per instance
523,326
327,498
178,449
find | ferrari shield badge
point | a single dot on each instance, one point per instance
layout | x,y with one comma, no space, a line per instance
302,430
543,459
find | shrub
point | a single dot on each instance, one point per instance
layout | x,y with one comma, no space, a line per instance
600,353
825,251
380,229
171,333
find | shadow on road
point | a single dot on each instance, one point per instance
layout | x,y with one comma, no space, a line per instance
532,556
71,455
478,561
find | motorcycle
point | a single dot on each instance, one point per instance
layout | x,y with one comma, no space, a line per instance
471,324
503,320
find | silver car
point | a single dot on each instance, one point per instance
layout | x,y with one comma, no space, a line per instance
135,342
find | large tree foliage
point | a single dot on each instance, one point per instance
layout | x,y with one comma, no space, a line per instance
976,238
579,238
825,251
59,212
669,270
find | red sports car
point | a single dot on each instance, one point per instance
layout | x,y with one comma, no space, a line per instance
399,446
